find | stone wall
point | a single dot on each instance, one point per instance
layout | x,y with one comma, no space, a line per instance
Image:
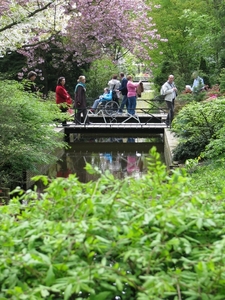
170,142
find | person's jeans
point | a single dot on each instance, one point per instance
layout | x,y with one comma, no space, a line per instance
170,105
95,104
124,103
131,105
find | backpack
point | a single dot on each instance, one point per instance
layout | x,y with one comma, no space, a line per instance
162,95
140,89
114,95
162,91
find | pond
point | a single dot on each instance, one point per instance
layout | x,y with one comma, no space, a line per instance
121,156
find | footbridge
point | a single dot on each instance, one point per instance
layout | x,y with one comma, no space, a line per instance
149,119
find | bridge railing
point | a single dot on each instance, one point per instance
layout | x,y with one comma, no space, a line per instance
151,105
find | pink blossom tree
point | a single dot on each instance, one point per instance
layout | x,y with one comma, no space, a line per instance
85,30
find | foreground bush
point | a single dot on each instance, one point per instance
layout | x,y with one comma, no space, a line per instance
142,239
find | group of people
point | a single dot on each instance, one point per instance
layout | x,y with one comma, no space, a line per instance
126,88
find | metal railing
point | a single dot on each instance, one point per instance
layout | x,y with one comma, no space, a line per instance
142,78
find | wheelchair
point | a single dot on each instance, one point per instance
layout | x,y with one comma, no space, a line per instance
107,107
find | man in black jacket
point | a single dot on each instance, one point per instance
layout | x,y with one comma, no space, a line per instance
123,90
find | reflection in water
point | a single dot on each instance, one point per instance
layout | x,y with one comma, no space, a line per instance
123,160
119,164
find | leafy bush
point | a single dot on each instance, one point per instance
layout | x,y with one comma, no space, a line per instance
197,125
222,81
209,177
145,239
188,149
26,137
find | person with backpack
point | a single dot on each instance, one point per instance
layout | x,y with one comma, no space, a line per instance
114,85
169,90
132,94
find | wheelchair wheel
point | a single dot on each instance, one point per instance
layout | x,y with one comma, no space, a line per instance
111,108
99,107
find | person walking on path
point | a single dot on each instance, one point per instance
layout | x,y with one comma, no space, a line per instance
123,90
170,91
63,99
80,103
131,95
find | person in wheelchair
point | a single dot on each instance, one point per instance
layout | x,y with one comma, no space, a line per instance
106,96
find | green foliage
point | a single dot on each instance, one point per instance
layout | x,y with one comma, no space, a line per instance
209,177
216,147
194,30
167,68
11,64
142,239
222,81
27,138
98,76
198,125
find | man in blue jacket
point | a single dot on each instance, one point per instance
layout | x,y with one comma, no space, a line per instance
123,90
107,96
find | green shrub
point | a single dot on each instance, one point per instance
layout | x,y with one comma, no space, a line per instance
27,138
145,239
222,81
198,125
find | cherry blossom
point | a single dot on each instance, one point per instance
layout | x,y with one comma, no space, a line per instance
84,29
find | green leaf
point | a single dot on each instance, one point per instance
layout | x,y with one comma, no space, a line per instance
101,296
50,277
68,291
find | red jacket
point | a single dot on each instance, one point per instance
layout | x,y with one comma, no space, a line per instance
62,95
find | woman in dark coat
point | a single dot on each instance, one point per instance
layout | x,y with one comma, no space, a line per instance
80,104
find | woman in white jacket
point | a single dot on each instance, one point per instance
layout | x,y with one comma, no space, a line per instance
170,91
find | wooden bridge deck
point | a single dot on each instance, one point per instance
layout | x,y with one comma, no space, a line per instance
118,129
